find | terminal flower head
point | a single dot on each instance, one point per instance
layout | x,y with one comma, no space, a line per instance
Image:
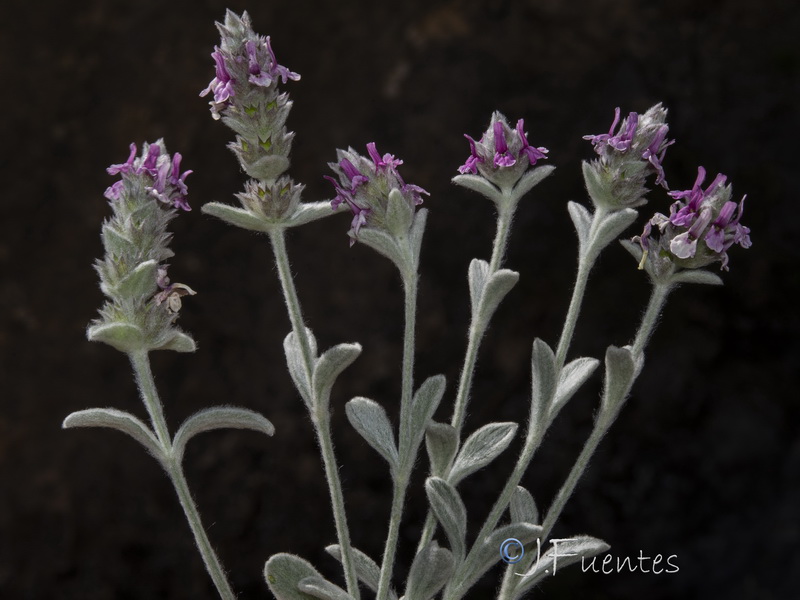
364,184
633,149
503,154
244,61
702,226
158,173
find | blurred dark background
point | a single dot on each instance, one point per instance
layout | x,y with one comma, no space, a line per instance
704,462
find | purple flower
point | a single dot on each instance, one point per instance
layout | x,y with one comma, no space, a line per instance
125,167
654,154
532,153
620,142
262,66
471,165
364,185
684,214
505,153
222,84
386,161
502,157
160,174
629,152
702,226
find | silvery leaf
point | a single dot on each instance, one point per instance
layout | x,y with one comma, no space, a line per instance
367,569
573,376
239,217
478,274
267,168
486,554
566,552
620,372
141,282
399,213
218,417
417,232
498,286
696,276
383,243
124,337
449,510
612,226
532,178
312,211
441,440
119,420
523,507
329,366
430,571
424,404
598,189
284,572
297,364
481,448
582,219
478,184
178,341
321,588
369,419
543,377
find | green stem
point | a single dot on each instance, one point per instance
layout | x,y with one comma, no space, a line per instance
320,417
144,378
407,453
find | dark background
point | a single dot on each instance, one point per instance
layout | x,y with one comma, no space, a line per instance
704,462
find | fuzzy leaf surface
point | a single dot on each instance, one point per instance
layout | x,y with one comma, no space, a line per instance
218,417
370,421
481,448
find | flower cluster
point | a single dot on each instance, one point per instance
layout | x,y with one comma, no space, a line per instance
501,152
142,304
702,225
244,62
156,172
364,184
628,154
247,98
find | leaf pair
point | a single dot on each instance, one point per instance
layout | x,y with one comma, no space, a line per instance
370,420
219,417
325,369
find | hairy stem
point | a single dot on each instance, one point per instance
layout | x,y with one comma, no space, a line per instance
588,256
321,421
406,452
602,424
477,330
144,378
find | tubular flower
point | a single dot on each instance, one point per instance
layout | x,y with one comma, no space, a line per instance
702,226
364,184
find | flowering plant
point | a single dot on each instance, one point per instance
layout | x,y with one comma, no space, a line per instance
503,165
